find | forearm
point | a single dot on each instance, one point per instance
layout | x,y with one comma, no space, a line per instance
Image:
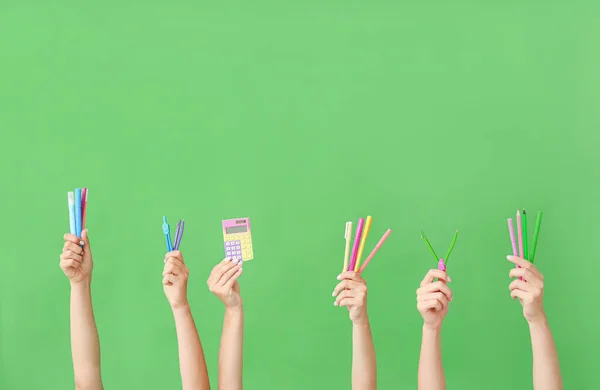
546,369
194,375
85,345
431,370
364,364
231,350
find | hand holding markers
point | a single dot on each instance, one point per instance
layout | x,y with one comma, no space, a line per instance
351,292
77,202
529,288
359,244
76,258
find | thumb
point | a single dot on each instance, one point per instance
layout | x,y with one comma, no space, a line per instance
86,239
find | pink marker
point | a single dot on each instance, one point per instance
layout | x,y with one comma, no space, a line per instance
520,233
511,232
359,229
379,244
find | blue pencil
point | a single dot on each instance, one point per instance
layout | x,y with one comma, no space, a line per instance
78,212
71,200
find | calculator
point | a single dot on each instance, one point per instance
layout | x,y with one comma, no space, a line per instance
237,238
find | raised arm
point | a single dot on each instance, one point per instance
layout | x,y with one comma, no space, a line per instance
76,263
432,302
192,365
223,282
529,289
351,292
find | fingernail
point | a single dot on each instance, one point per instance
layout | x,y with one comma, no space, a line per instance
230,258
81,242
240,269
449,279
335,303
333,294
339,277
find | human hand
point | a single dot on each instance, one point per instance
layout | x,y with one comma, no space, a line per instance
76,258
529,288
223,282
175,277
351,292
433,298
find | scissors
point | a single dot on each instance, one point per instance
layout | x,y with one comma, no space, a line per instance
441,262
178,234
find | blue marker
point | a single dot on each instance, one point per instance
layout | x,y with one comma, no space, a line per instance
78,212
167,231
71,198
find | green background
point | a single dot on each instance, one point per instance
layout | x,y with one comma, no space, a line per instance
301,115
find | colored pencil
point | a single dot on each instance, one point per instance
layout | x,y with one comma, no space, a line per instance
538,225
78,212
84,194
359,228
451,247
524,224
379,244
513,241
348,237
71,202
362,242
429,246
520,234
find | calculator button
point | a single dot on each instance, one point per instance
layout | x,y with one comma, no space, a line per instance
237,247
228,253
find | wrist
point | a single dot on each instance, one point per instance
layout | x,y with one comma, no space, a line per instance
83,284
182,307
361,321
538,321
234,310
432,329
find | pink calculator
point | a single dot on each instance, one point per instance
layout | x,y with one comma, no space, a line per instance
238,239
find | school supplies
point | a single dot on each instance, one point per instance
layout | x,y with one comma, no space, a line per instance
77,204
357,235
536,233
522,235
84,195
362,241
513,241
237,238
524,225
348,237
379,244
166,228
441,263
71,201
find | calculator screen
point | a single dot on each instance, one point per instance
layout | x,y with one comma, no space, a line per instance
236,229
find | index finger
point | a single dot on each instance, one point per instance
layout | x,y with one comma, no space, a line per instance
524,264
73,238
435,273
176,254
351,275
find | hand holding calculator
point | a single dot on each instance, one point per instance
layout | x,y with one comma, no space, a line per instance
238,239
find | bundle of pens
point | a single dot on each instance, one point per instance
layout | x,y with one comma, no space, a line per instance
523,251
441,263
178,234
359,243
77,204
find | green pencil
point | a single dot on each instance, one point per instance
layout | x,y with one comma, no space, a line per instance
451,247
536,233
524,224
429,246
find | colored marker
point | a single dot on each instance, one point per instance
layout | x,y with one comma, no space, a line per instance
84,195
451,247
363,240
78,212
513,241
71,201
538,225
429,246
348,237
524,224
379,244
520,234
359,228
